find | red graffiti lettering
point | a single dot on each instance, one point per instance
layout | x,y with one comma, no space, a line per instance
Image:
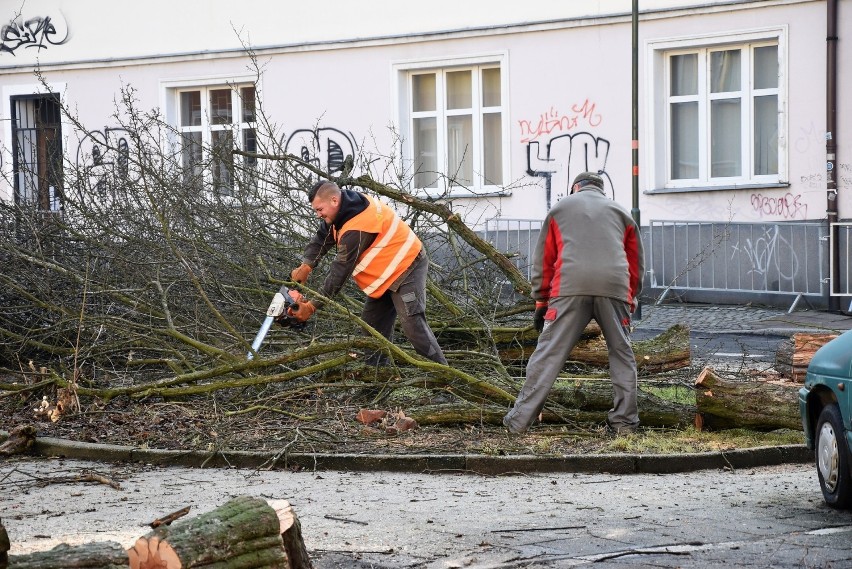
552,121
787,206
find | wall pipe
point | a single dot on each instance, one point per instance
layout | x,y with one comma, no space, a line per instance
831,152
635,140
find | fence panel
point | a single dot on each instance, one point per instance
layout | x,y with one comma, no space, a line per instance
516,238
783,258
778,258
841,233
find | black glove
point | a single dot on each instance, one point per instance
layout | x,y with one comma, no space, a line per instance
538,318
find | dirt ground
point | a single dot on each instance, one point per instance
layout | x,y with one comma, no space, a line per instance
211,423
318,423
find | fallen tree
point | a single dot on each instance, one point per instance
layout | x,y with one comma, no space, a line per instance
760,405
794,354
242,533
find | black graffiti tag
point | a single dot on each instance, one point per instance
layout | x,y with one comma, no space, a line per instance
565,156
36,32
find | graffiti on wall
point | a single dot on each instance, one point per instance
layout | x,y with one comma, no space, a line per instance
764,254
553,121
565,156
106,161
38,32
326,148
560,146
788,206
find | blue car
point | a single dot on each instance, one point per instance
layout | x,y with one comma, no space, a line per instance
826,406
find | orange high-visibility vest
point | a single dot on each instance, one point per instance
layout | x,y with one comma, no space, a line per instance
394,249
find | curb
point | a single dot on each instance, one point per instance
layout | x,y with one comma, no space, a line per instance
420,463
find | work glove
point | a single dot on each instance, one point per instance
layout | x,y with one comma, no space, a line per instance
538,317
301,273
303,310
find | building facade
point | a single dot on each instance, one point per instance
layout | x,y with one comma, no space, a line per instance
494,107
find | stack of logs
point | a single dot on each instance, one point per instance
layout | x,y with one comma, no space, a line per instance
244,532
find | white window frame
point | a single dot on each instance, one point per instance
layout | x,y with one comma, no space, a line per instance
657,137
170,103
402,97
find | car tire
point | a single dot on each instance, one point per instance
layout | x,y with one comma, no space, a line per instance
833,459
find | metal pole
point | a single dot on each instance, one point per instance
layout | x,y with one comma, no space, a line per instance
635,137
831,152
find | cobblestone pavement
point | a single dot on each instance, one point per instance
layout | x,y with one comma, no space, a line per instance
740,319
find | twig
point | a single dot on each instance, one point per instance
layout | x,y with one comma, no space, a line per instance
328,517
169,518
513,530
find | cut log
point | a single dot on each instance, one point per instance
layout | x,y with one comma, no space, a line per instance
4,547
99,555
291,535
794,355
20,439
244,532
759,405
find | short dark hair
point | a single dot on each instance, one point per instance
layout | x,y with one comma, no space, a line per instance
312,194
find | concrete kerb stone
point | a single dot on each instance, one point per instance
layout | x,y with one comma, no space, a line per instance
481,464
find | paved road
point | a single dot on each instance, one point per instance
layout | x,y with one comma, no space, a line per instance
764,517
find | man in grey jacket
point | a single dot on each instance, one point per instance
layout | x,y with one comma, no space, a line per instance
588,264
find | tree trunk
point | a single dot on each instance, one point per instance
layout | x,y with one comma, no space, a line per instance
242,533
291,534
794,355
575,400
666,352
20,439
100,555
4,546
759,405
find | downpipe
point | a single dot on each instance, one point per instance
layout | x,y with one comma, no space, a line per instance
833,301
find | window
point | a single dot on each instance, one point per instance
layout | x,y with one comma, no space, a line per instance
720,110
212,121
37,151
454,132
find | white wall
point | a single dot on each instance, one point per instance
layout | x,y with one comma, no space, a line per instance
569,83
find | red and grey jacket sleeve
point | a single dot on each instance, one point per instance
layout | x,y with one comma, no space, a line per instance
635,255
547,262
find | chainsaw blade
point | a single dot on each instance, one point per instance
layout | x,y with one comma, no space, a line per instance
261,334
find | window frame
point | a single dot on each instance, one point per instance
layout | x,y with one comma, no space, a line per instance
403,102
658,138
171,92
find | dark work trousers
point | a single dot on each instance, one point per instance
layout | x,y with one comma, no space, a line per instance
556,341
407,298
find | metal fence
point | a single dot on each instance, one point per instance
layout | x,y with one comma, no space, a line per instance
514,237
841,233
750,258
780,258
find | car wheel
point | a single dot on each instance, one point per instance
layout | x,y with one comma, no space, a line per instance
832,459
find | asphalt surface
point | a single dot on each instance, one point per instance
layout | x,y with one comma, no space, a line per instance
761,508
760,517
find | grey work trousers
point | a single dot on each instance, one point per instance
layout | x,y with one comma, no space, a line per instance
556,341
407,298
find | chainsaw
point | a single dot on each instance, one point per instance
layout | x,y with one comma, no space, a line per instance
278,312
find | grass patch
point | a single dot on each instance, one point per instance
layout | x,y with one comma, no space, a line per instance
673,393
668,441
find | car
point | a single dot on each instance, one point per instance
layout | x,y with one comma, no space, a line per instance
825,403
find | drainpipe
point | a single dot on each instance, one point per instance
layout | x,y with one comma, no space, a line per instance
831,152
635,138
